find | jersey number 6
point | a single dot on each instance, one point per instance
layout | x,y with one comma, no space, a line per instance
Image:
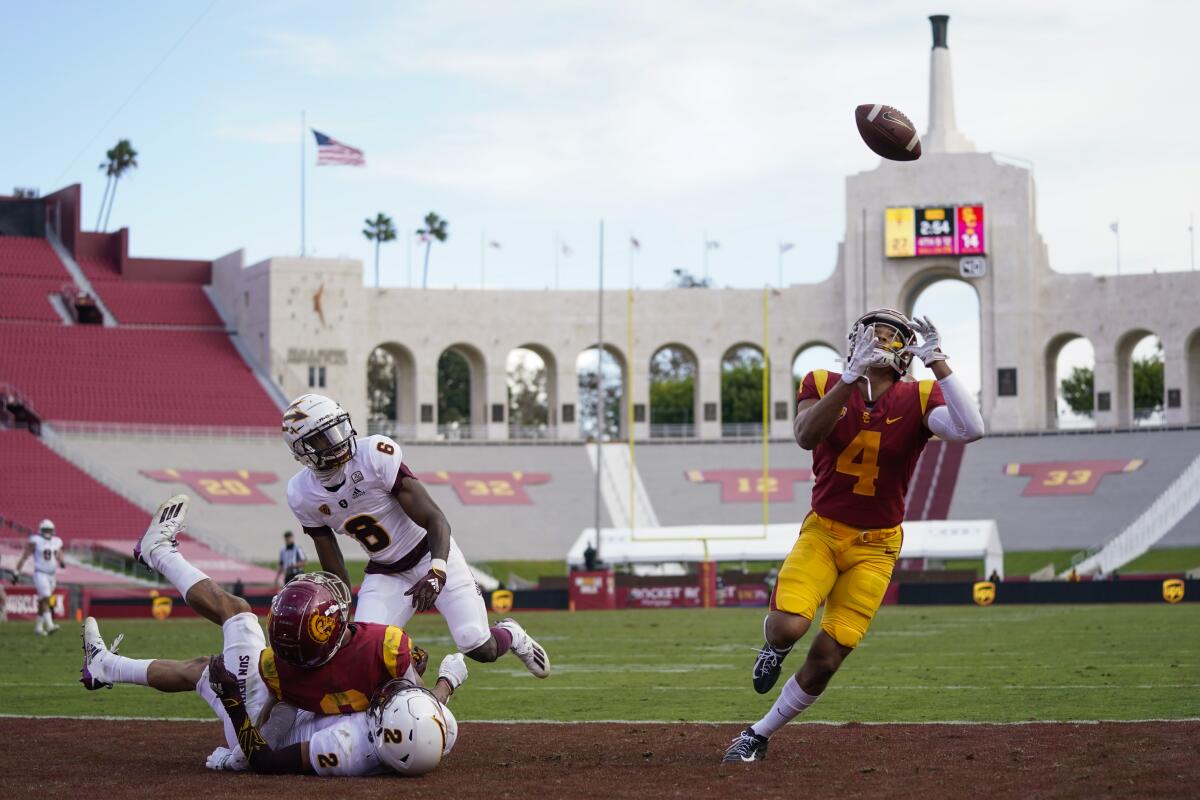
366,529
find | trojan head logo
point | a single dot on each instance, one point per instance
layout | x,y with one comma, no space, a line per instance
984,593
160,607
1173,590
320,627
324,509
502,601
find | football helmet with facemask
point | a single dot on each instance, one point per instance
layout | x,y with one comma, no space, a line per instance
46,528
409,729
318,432
891,351
309,619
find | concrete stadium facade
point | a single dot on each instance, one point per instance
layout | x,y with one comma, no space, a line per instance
307,322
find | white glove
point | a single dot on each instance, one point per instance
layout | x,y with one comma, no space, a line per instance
864,355
225,760
454,669
930,348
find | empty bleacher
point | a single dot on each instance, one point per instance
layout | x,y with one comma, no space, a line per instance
146,303
171,377
28,257
31,273
38,483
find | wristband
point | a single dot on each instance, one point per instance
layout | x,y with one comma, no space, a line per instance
438,564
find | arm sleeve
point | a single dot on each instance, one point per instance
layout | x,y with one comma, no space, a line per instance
957,420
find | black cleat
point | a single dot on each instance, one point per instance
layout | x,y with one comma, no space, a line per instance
748,746
767,667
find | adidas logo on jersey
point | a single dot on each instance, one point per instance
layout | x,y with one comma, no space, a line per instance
356,493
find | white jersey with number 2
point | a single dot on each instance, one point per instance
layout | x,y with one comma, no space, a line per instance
363,507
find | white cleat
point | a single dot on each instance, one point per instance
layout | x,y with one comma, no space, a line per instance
53,628
165,526
524,647
92,674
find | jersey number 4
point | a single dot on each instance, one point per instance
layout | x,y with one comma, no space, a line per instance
860,459
370,535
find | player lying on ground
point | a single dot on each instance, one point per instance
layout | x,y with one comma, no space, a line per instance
866,428
408,729
47,552
317,661
364,490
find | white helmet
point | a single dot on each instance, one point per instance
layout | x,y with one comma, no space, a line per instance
46,528
318,432
409,729
892,353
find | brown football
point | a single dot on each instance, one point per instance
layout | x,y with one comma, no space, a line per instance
888,132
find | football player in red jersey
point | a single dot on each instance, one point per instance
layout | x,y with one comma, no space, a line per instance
318,662
866,428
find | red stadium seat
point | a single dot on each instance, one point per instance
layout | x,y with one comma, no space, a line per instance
38,483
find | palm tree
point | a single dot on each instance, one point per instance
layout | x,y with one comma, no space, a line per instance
379,230
121,158
435,228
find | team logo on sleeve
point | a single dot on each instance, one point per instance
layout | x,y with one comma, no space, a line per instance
321,627
984,593
1173,590
324,509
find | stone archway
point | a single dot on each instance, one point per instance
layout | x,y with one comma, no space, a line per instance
392,390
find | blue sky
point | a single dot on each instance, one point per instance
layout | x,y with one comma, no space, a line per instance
520,121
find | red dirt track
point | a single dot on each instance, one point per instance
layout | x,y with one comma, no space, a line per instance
116,760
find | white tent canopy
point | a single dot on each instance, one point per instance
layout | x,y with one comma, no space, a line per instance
977,538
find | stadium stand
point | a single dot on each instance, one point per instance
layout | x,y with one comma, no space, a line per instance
39,483
134,376
81,574
1082,520
1186,533
149,302
31,273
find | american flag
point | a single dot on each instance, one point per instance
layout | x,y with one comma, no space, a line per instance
331,151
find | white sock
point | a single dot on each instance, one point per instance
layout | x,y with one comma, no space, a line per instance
175,568
48,616
38,621
792,700
127,670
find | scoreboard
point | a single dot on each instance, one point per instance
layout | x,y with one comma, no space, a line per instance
934,231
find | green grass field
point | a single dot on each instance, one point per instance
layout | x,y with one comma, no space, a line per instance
1003,663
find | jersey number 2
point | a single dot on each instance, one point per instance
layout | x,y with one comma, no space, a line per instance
366,529
860,459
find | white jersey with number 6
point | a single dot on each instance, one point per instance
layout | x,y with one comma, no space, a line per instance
363,507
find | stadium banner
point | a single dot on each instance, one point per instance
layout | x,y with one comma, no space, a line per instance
744,595
22,603
1125,590
912,231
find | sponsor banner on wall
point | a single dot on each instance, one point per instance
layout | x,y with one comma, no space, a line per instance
22,603
745,595
659,597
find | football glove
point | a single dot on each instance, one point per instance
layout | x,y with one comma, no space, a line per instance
930,348
225,760
863,356
425,591
454,670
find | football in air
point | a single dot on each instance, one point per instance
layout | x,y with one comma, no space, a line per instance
888,132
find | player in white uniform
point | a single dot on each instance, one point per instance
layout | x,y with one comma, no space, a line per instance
362,488
47,552
243,645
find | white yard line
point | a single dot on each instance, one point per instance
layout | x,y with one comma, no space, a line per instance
659,721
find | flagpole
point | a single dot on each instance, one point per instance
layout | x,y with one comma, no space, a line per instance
629,386
599,385
780,284
482,258
1117,231
1192,238
303,159
557,247
766,409
706,255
